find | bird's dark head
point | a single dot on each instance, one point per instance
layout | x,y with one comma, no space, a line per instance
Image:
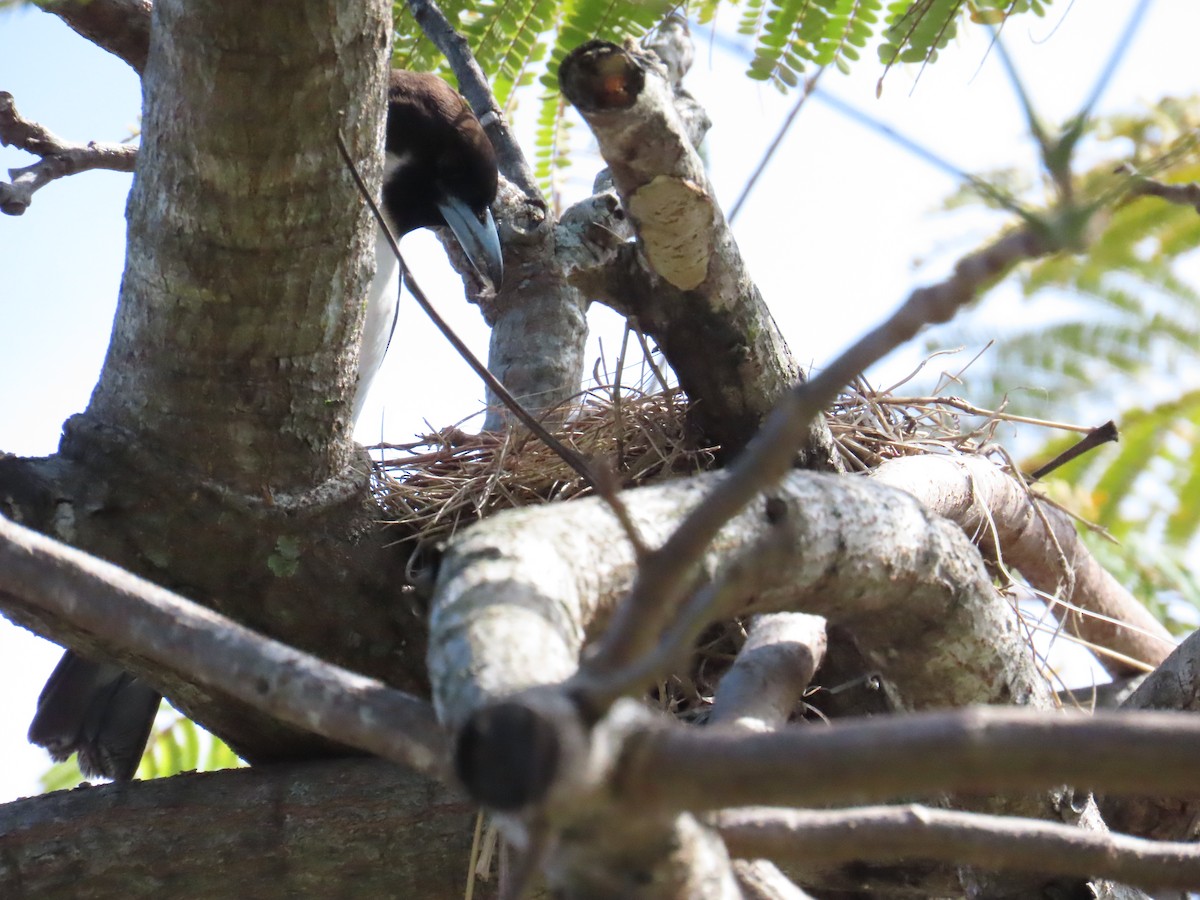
440,167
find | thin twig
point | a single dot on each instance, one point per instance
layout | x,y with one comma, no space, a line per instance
1096,437
1182,194
810,85
973,410
978,750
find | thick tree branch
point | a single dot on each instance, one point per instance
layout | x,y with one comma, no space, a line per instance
691,291
122,27
215,456
633,765
771,672
538,319
362,828
59,158
519,593
1042,543
1174,685
975,750
226,351
816,839
173,634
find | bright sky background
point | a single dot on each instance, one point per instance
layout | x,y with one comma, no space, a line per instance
833,232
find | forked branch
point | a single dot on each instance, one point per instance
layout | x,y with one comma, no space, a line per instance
59,157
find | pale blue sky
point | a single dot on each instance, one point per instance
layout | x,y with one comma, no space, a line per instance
831,233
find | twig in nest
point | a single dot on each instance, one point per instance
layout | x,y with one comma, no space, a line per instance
1094,438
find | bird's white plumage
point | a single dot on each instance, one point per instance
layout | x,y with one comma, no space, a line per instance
383,298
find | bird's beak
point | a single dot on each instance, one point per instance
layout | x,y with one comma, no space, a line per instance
478,238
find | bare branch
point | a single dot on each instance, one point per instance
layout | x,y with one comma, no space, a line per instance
751,571
761,880
122,27
977,750
596,776
518,592
1182,194
177,635
999,513
538,332
690,288
59,157
819,839
203,834
772,671
1095,437
1174,685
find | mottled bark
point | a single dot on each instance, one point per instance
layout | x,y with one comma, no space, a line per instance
215,457
349,828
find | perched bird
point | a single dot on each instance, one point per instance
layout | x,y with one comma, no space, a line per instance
439,170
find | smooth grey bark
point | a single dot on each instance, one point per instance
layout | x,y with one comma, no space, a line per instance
539,320
1175,685
1040,541
122,27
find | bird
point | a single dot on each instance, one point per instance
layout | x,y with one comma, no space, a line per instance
440,170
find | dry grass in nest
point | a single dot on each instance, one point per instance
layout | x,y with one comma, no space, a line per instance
449,479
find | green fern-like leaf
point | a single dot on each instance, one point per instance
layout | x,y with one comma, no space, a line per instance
62,775
179,746
847,30
520,43
1127,350
781,52
506,37
916,29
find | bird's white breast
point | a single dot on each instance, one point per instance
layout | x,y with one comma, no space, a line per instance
382,299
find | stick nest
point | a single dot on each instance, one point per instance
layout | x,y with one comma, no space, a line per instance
448,479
